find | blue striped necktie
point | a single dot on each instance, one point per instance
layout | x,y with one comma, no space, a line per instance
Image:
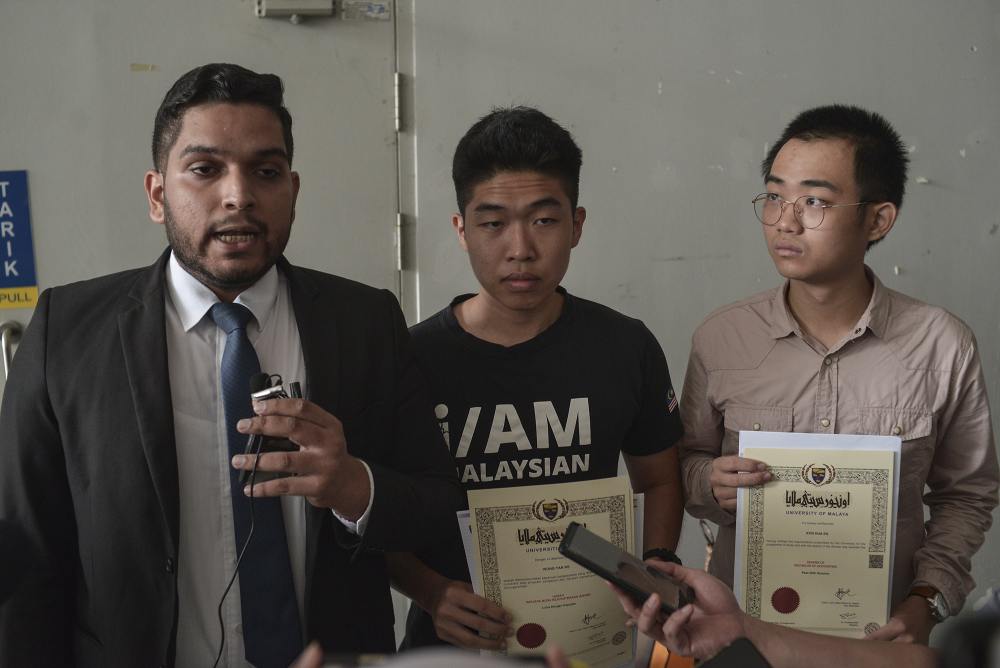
272,634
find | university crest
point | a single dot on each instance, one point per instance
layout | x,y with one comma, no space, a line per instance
818,474
550,510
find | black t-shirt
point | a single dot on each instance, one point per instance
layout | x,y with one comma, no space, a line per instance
557,408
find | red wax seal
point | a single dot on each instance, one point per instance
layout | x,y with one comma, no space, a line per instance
785,600
531,635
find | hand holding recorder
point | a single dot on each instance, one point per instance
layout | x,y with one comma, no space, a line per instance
318,465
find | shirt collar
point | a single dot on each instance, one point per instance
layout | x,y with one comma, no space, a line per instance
782,322
875,316
193,299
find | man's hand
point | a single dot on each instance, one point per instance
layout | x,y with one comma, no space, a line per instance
729,473
459,615
324,472
700,629
911,622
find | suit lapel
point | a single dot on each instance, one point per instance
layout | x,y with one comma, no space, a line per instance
144,345
318,335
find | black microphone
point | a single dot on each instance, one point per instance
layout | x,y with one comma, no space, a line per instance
17,554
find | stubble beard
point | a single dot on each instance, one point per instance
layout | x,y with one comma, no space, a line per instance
189,256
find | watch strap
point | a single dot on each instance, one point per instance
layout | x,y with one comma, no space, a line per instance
935,601
663,554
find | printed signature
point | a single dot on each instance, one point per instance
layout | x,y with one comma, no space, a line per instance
841,593
589,617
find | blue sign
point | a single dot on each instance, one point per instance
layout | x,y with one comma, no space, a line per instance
18,286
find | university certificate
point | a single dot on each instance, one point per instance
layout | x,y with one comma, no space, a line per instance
815,544
516,534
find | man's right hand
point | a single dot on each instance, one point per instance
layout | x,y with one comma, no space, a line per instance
729,473
460,615
701,628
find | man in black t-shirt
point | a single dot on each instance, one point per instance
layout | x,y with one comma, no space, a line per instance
558,407
530,384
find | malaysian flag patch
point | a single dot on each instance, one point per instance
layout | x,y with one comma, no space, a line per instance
671,400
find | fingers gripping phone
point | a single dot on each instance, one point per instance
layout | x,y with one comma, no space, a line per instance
258,444
625,571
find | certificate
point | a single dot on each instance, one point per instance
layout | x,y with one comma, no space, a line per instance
515,538
815,544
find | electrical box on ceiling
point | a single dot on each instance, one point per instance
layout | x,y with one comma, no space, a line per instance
282,8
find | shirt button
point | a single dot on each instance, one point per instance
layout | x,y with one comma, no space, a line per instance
897,430
828,361
756,426
170,565
825,422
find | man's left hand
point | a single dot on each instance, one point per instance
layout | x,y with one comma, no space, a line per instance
911,622
323,471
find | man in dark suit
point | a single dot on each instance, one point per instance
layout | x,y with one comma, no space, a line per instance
127,409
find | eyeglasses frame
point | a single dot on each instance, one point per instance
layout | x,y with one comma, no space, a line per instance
798,219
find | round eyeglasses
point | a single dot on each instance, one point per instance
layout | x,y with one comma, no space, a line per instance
809,210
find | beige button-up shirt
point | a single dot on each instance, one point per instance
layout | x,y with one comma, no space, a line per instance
908,369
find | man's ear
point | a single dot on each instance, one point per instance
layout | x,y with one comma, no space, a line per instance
295,192
153,182
579,216
882,221
459,224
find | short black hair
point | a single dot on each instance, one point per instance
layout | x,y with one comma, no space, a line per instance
880,157
217,83
515,139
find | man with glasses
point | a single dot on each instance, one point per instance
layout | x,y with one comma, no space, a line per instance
834,351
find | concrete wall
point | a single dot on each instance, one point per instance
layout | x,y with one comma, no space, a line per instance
674,103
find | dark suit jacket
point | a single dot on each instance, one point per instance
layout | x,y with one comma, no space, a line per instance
88,468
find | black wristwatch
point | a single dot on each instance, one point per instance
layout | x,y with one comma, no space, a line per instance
663,554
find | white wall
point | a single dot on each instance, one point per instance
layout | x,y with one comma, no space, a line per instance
81,82
674,103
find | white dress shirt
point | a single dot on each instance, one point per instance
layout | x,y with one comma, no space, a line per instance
207,551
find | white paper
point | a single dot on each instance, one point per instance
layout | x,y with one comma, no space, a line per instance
791,440
465,530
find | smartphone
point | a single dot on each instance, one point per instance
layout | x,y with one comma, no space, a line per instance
267,443
625,571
